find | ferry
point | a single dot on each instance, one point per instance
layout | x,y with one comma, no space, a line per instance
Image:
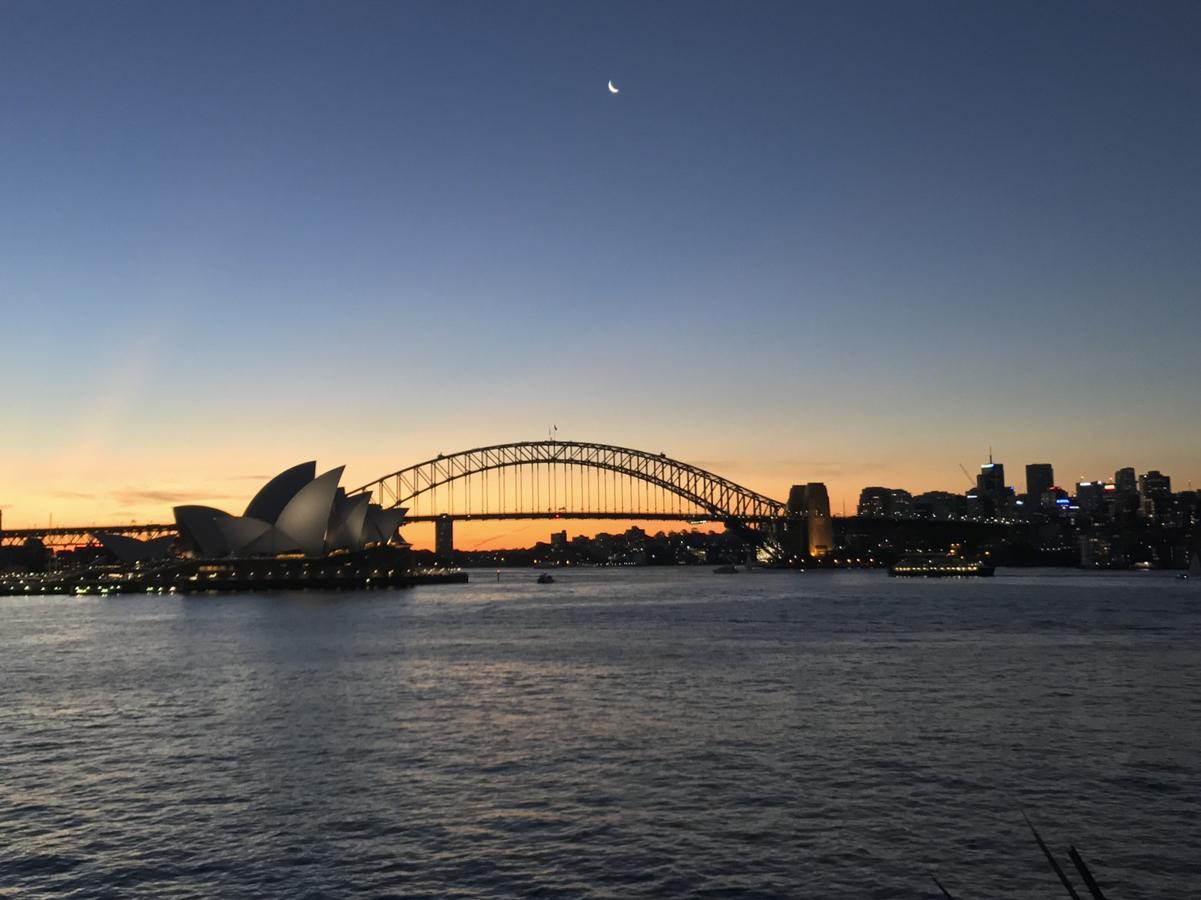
939,565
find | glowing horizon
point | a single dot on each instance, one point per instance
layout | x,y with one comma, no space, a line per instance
102,493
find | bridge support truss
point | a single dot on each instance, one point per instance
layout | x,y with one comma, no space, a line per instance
572,479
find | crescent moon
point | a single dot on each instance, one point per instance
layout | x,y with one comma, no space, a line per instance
613,88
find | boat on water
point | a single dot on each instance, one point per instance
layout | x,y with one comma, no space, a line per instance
939,565
726,570
546,578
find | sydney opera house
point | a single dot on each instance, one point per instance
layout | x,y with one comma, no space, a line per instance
300,530
297,513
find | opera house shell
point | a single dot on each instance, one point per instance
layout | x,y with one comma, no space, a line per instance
296,513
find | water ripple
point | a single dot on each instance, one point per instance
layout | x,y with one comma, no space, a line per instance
622,734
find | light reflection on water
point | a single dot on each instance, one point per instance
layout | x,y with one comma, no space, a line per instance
618,733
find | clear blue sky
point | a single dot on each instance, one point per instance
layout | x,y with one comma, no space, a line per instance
857,241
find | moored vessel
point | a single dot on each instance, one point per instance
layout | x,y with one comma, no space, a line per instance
939,565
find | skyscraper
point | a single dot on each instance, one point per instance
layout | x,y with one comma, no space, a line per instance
1040,478
1155,493
990,482
1125,482
1090,496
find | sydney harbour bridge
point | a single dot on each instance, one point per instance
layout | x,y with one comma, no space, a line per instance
553,479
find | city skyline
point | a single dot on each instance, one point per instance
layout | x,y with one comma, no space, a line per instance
849,243
485,535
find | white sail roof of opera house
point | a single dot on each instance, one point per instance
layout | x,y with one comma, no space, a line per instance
132,550
297,511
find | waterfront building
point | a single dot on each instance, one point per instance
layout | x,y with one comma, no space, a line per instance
132,550
882,502
811,502
1095,551
296,513
874,502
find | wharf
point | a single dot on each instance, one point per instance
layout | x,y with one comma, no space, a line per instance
185,580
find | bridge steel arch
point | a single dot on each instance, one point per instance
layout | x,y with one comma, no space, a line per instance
717,497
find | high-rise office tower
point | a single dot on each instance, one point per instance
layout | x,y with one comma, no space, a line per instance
1040,478
1125,482
1090,496
990,482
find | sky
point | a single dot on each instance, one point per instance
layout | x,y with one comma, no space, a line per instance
849,242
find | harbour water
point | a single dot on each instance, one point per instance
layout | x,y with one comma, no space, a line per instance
620,733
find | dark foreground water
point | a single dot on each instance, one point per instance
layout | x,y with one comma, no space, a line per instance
636,733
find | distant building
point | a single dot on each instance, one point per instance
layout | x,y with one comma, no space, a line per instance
1125,482
882,502
558,540
1154,484
874,502
812,502
1095,551
1090,496
902,503
1040,478
444,538
1155,493
1058,501
991,480
1189,504
990,497
939,505
30,556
